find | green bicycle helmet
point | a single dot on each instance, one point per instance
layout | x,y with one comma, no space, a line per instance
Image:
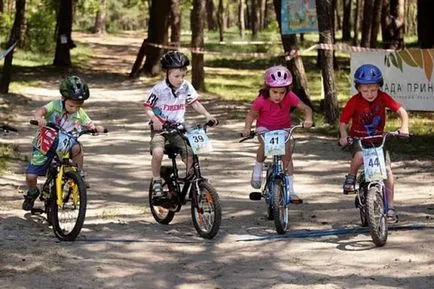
75,88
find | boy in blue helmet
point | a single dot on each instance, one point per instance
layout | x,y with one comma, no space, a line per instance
367,112
68,113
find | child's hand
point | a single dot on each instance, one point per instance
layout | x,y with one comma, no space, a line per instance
157,125
41,122
246,132
99,128
307,124
343,141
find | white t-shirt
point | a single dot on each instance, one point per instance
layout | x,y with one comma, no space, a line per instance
169,104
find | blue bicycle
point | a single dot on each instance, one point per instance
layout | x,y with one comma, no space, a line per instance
276,188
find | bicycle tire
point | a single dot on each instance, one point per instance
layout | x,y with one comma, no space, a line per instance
206,213
362,206
280,209
377,218
67,229
268,199
161,214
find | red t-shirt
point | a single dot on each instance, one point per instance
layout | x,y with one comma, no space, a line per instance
275,115
367,118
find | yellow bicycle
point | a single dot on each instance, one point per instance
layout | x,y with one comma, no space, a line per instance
64,192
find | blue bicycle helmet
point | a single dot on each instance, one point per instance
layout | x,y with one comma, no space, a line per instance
368,74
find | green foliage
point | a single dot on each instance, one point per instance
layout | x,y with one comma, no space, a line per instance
6,22
39,36
6,152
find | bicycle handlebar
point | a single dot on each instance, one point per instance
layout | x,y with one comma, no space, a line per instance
169,127
56,127
289,130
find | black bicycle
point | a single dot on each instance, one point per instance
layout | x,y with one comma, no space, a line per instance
205,203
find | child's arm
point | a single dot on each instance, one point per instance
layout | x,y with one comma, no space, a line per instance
39,116
402,113
343,141
307,111
197,106
251,116
157,124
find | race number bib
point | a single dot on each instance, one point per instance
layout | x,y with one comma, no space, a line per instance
374,165
199,141
274,143
64,145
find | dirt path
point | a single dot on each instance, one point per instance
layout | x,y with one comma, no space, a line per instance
121,246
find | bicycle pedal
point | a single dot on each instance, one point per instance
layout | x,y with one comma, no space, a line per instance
35,211
255,196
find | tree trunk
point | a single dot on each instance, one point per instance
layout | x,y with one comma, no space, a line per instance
212,25
139,59
197,26
100,18
255,18
367,23
295,65
175,23
220,20
425,23
346,24
357,21
376,20
157,34
393,24
20,8
262,4
64,44
325,27
1,6
242,23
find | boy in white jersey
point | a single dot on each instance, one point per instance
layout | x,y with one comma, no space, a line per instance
68,114
166,103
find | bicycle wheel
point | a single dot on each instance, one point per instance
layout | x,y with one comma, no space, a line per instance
163,212
68,219
206,211
377,218
280,209
361,205
268,200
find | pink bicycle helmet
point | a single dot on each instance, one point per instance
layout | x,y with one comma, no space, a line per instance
278,76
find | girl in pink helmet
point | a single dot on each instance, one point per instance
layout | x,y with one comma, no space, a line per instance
271,110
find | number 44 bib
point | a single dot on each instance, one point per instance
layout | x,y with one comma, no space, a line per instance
374,165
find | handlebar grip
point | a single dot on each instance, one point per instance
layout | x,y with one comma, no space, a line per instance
105,130
34,122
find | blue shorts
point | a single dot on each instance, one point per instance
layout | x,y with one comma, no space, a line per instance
40,170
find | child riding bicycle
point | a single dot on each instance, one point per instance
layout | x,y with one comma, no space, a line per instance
271,110
367,113
67,113
166,103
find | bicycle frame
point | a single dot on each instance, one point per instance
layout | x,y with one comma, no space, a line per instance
277,171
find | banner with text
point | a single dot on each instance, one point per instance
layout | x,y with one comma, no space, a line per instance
408,75
298,16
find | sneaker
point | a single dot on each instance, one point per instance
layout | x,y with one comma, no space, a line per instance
157,188
256,180
349,184
392,217
296,199
29,199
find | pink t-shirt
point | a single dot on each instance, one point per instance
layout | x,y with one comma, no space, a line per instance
274,115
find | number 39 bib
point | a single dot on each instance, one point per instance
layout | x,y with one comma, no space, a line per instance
374,165
274,143
199,141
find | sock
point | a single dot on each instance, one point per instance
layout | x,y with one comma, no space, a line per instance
291,184
257,170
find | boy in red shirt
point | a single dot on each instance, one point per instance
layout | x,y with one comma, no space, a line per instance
367,112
